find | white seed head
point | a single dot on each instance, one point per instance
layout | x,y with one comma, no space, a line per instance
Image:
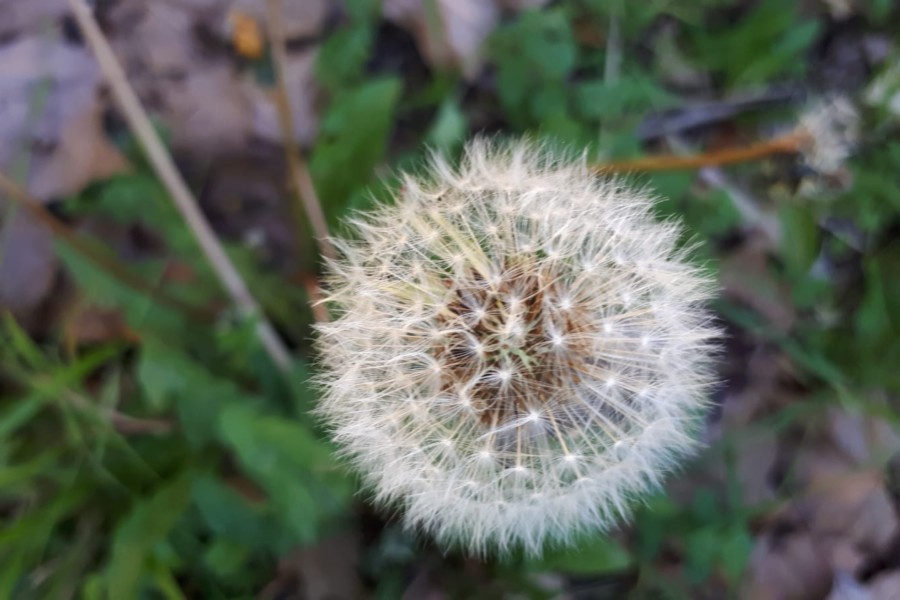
547,403
830,130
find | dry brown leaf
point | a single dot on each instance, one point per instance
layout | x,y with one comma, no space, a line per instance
209,111
748,460
449,35
210,107
87,324
301,86
162,39
746,278
787,568
885,587
202,6
51,117
246,36
843,475
843,555
518,5
764,370
843,501
755,455
304,19
27,16
424,585
28,266
847,588
197,94
82,154
326,571
329,569
52,133
866,439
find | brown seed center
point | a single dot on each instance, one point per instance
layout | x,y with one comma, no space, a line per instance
512,344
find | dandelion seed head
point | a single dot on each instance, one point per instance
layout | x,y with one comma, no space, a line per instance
830,131
493,373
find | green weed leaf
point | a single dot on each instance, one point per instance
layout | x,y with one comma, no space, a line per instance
147,524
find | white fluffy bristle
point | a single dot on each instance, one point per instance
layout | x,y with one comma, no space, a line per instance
518,348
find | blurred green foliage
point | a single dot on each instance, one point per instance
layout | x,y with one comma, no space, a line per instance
766,43
238,475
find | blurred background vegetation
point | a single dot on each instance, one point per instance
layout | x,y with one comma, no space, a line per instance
149,448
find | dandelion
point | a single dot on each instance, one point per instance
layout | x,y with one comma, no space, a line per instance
828,133
518,350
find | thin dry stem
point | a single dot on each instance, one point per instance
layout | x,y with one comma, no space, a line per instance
181,195
786,144
122,423
304,189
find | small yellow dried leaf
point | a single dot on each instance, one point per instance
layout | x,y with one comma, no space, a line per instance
246,35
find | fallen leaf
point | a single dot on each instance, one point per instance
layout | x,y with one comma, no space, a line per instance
755,456
866,439
196,93
300,19
87,324
519,5
157,37
209,111
246,36
844,556
885,587
449,33
52,131
202,6
326,571
301,86
329,569
51,117
82,154
29,16
746,278
841,500
210,106
424,585
847,588
763,372
787,568
28,266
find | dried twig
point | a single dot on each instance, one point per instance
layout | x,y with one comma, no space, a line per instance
786,144
122,423
181,195
304,190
